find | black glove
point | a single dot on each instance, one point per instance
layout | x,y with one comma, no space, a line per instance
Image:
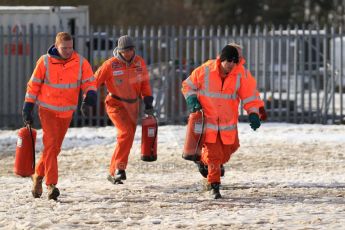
254,121
91,98
27,113
148,100
89,101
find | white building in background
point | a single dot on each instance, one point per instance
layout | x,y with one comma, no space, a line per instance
62,17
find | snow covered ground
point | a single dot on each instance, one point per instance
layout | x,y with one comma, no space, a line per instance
284,176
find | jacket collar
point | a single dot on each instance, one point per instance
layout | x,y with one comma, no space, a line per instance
120,57
53,53
233,71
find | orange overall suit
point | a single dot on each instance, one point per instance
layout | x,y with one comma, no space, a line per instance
54,86
219,99
126,82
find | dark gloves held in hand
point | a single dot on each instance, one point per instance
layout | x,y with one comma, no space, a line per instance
91,98
254,121
148,100
263,114
89,101
27,113
193,104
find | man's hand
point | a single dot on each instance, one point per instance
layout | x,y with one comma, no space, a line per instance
148,100
254,121
27,113
89,101
149,111
193,104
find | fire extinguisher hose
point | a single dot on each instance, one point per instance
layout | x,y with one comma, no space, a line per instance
155,138
33,146
202,133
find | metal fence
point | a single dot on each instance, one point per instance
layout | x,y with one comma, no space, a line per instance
299,70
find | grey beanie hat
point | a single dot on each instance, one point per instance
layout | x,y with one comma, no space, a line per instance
125,42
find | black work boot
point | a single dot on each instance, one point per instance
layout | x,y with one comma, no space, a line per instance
215,194
203,169
118,177
53,192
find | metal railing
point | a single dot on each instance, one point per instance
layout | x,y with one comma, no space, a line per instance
299,70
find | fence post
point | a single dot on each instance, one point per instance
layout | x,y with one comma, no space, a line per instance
325,87
280,80
288,73
341,83
2,73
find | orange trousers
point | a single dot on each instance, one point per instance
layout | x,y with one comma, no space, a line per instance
54,129
215,154
124,117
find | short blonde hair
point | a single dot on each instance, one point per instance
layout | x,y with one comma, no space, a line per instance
62,36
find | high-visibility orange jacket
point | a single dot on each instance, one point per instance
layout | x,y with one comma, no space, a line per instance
55,83
125,81
220,98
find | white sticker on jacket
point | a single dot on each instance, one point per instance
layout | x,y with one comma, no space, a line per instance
118,72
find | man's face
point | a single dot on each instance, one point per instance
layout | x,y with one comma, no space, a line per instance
65,48
127,54
227,66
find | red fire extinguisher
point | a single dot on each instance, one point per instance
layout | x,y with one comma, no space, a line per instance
24,164
194,137
149,138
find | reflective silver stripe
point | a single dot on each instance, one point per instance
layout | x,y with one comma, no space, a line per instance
90,79
211,126
63,86
81,59
28,95
57,108
46,64
67,85
206,92
189,94
238,81
227,127
253,110
218,95
36,79
190,83
246,73
90,88
249,99
221,127
207,78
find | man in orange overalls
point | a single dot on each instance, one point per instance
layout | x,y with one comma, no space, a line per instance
54,86
126,78
217,87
